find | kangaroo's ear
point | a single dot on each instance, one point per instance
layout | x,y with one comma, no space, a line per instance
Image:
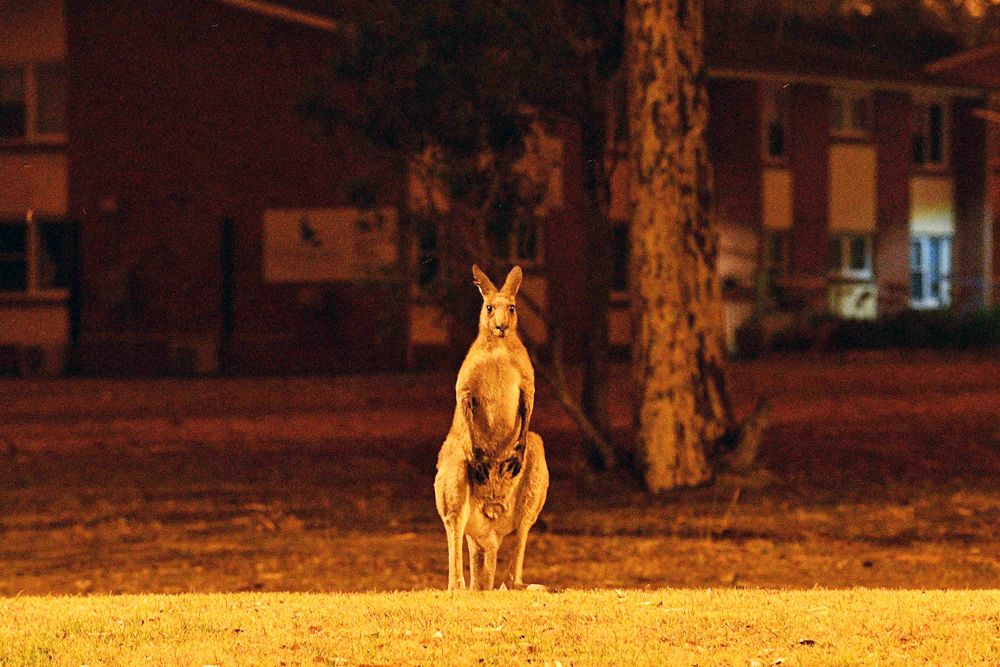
486,288
513,282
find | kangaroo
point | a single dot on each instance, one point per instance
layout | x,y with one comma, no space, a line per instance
491,473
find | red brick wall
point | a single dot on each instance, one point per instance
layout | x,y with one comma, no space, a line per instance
734,143
181,113
566,252
970,279
891,137
808,156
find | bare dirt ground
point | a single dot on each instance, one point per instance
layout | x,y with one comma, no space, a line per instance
879,470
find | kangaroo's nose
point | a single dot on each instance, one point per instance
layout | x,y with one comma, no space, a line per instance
501,329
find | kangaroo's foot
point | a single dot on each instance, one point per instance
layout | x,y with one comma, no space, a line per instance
526,587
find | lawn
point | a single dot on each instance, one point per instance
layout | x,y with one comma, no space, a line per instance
664,627
879,470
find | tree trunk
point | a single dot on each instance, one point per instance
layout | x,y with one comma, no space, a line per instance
681,405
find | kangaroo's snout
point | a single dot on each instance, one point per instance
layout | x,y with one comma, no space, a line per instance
501,330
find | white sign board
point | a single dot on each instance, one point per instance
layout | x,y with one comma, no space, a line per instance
327,244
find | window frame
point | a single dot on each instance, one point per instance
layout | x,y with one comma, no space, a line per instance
774,110
538,223
33,261
430,253
776,238
513,242
619,226
846,98
32,135
845,271
927,301
926,102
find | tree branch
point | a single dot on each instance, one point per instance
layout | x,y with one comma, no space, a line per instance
556,378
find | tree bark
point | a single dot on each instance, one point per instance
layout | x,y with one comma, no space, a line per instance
681,403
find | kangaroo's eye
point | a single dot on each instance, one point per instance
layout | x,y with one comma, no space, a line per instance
511,309
489,309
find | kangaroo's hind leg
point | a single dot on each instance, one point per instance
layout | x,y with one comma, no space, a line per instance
516,568
455,527
482,565
531,498
451,491
490,567
477,563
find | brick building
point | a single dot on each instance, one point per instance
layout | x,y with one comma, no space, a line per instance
164,209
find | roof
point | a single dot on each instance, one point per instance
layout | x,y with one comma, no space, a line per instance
300,12
977,67
802,60
888,51
743,51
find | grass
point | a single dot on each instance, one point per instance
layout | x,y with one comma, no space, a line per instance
665,627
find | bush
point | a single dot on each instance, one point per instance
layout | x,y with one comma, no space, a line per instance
913,329
921,329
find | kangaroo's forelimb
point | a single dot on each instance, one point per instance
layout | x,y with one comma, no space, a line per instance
525,405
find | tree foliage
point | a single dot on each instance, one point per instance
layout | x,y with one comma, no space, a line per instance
930,27
458,91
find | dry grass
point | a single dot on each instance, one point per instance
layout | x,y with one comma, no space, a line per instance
667,627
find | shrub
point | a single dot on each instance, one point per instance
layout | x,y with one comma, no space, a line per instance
912,329
977,329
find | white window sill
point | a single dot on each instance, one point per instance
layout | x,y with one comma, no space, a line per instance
852,277
928,304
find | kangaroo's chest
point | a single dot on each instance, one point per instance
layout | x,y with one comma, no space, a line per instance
496,383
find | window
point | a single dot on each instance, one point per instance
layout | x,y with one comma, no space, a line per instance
619,257
517,240
929,124
33,103
13,257
427,254
851,256
775,121
776,253
13,108
35,256
522,245
849,113
930,271
525,240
